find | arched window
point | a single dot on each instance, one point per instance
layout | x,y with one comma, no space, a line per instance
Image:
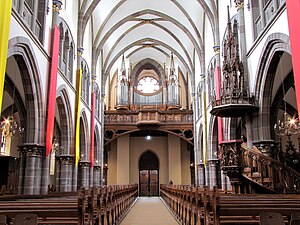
211,79
33,14
199,99
85,82
66,46
263,12
98,103
66,50
61,31
70,62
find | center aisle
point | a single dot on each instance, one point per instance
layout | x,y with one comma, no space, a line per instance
149,211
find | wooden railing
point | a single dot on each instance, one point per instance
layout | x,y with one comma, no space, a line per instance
269,172
239,162
105,205
146,115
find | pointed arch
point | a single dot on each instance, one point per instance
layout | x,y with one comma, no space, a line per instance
275,45
65,118
22,51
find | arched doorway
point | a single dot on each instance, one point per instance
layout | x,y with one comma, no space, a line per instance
148,174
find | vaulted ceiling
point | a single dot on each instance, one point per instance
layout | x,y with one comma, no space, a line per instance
153,29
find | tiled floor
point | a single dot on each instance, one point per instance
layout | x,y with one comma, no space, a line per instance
149,211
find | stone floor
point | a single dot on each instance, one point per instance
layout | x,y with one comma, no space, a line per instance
149,211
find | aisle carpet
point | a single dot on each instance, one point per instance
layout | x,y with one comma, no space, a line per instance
149,211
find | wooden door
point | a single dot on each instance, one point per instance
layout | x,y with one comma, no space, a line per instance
148,182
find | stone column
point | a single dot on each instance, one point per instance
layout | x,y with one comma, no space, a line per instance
75,171
223,181
64,172
38,188
30,171
21,174
213,173
261,12
46,160
201,175
57,173
84,173
207,174
97,175
21,7
103,166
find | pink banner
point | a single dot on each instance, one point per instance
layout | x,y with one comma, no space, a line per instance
293,9
92,148
52,90
218,95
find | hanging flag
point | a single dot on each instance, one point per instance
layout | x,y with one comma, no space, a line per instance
77,131
293,7
6,6
218,97
204,144
92,148
52,89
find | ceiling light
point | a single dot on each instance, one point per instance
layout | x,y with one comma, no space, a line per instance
148,138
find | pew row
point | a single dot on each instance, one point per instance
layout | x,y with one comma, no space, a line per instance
103,206
198,206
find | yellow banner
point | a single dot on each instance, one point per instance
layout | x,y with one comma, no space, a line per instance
77,135
6,6
204,144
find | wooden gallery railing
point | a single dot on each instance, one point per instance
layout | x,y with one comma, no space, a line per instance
99,206
201,206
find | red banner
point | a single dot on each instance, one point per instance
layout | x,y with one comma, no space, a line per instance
293,9
92,148
52,90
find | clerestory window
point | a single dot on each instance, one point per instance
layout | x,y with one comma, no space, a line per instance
263,12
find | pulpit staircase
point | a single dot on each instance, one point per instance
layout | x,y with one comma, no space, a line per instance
252,172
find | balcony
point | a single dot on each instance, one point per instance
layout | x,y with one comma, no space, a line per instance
133,119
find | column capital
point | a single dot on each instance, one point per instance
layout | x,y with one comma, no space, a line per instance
65,159
84,164
97,167
31,150
94,77
80,51
239,4
57,5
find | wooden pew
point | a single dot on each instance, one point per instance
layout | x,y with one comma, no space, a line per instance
194,205
234,209
103,206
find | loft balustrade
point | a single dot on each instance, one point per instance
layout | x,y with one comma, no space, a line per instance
148,116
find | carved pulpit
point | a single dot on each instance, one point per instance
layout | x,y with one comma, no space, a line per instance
235,99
